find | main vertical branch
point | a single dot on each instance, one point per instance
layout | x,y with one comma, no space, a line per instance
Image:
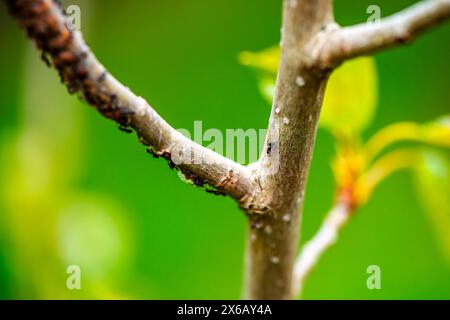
283,167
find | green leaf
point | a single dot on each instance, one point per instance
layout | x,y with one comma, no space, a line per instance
93,233
436,133
351,96
265,61
266,86
433,185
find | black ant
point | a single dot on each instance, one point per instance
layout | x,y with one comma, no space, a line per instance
102,77
269,148
45,58
125,129
198,182
152,152
215,192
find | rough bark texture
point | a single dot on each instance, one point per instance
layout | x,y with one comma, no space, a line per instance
295,113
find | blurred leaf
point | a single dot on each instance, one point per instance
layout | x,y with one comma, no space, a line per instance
436,133
381,169
433,185
265,61
53,114
266,86
93,235
351,96
41,161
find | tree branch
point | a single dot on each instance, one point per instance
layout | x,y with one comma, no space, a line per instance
284,164
79,69
272,190
317,246
336,45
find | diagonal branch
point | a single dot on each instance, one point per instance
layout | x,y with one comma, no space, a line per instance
79,69
336,45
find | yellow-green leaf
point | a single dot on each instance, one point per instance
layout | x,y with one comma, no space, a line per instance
92,233
266,86
351,96
436,133
433,185
265,61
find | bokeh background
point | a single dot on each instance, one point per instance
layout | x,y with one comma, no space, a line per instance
74,190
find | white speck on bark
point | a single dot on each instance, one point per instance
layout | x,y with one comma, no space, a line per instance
274,259
299,81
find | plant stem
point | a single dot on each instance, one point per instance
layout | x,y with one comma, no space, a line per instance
282,172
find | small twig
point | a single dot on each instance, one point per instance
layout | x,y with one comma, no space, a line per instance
313,250
339,44
340,214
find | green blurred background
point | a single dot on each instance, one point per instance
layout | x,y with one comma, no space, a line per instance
75,190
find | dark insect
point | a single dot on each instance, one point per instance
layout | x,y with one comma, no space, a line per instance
125,129
65,58
102,77
72,88
44,58
153,153
172,164
142,140
198,182
269,148
121,115
215,192
126,111
60,42
52,27
81,72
